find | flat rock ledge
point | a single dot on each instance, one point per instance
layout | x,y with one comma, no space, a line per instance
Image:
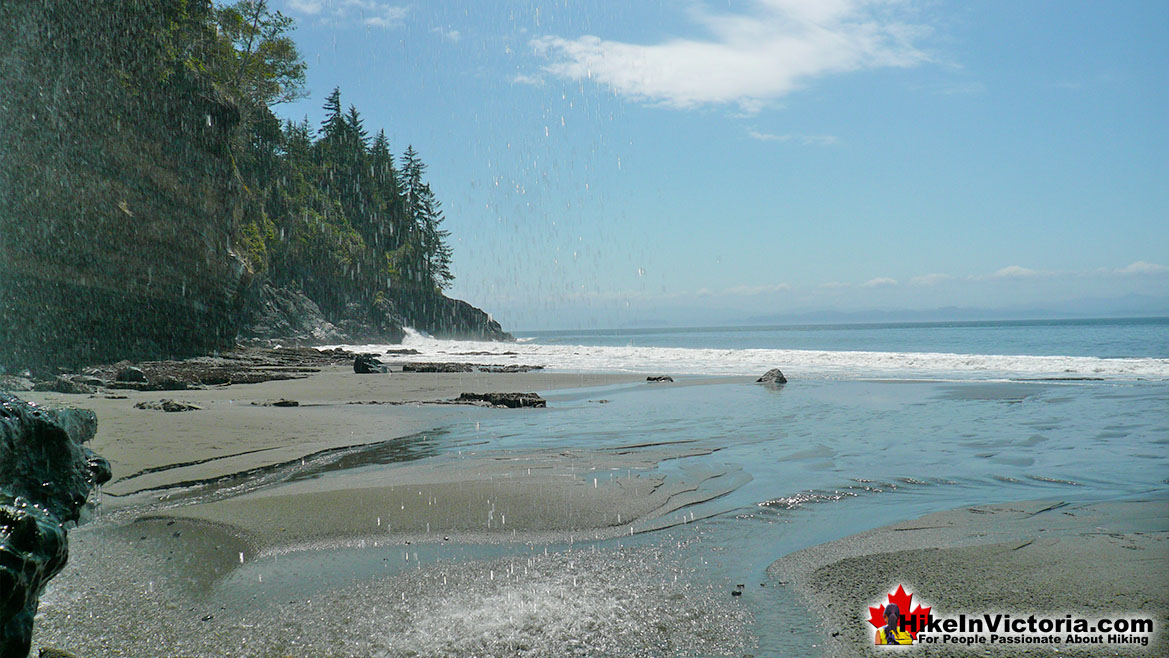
509,400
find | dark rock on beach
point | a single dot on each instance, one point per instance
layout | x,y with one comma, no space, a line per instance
15,383
368,364
64,385
245,365
415,366
437,367
772,377
402,352
46,474
510,368
131,374
659,378
167,405
509,400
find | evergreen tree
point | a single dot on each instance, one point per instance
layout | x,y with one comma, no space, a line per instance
437,272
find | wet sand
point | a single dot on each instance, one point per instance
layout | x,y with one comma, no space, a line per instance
151,450
469,497
1102,559
245,556
244,456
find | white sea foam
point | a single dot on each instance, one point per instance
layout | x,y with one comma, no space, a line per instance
817,364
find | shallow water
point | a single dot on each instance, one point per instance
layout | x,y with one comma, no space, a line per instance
825,459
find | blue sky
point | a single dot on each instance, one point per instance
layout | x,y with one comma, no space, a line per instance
612,163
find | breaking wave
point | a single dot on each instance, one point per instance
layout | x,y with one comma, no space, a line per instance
808,364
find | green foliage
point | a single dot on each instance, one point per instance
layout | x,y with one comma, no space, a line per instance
262,65
327,210
348,226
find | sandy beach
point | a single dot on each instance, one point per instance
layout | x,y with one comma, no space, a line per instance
238,505
1038,557
233,431
236,444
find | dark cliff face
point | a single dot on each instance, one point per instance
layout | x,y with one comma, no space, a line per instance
117,194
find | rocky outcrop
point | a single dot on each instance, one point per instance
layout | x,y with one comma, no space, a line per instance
659,379
46,474
443,317
283,316
280,315
772,377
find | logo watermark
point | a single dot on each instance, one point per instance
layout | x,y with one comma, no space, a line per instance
899,621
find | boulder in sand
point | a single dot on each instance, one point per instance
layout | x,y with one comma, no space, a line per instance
368,364
772,377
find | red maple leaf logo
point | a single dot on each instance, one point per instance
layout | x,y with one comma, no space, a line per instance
911,622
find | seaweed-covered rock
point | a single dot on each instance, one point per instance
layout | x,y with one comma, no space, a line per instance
46,474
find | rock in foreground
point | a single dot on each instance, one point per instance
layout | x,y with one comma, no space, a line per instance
46,474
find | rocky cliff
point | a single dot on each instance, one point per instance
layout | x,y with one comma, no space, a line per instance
120,200
117,200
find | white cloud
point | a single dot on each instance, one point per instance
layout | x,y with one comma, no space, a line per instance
370,13
807,140
522,79
757,290
450,35
930,279
311,7
380,15
1013,272
751,58
1142,267
879,282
